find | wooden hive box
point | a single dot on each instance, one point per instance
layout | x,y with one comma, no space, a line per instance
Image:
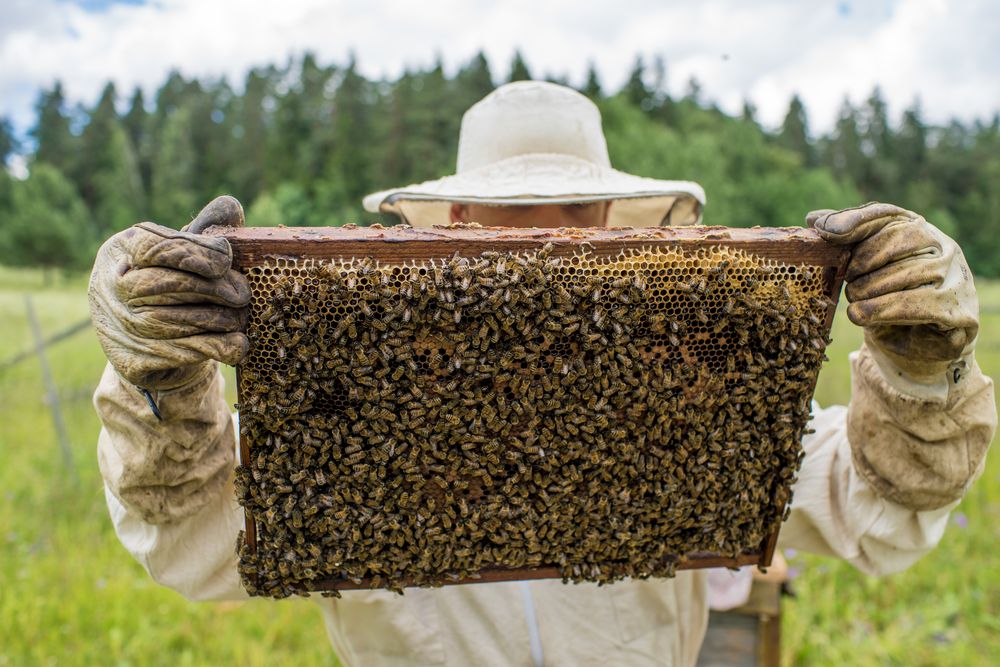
444,405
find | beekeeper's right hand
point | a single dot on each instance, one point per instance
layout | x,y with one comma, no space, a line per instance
165,303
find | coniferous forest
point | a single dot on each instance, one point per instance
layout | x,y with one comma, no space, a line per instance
301,144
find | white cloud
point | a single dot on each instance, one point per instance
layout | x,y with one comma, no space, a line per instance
943,52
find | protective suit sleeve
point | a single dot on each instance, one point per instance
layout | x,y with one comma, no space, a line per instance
880,478
169,483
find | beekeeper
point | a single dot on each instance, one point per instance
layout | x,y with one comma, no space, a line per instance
878,481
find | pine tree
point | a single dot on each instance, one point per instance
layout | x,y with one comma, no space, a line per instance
137,125
395,160
436,124
108,171
663,107
174,188
317,109
205,102
8,142
845,153
8,145
880,179
794,134
170,96
518,69
592,88
135,120
659,89
291,128
911,145
56,145
693,93
349,171
6,197
472,83
877,134
249,132
636,91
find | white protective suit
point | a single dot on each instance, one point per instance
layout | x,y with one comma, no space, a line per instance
186,461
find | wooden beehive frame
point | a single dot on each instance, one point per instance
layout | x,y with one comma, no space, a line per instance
255,247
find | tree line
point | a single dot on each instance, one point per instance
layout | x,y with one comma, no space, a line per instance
302,143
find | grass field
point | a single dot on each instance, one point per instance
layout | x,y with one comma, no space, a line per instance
70,595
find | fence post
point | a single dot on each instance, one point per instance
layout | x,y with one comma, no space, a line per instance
50,388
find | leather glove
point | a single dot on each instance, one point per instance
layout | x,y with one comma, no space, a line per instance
164,302
909,286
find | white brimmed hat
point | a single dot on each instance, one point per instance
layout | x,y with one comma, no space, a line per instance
533,142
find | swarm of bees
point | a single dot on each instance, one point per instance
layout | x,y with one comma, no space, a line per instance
417,424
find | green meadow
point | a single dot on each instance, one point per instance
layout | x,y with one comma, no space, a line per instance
70,595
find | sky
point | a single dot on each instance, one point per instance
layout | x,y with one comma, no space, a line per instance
944,53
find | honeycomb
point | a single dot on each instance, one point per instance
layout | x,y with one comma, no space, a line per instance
423,422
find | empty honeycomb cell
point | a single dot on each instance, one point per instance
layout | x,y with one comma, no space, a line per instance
418,424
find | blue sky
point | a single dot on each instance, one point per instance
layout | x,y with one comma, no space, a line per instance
944,52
